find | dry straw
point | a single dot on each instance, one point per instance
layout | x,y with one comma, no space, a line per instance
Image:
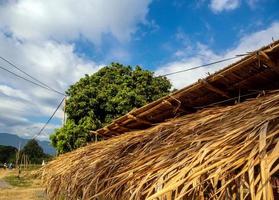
218,153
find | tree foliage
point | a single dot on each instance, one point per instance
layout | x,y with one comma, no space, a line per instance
7,154
96,100
34,152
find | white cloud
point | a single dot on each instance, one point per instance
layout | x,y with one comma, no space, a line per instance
24,131
11,92
10,107
66,20
38,36
7,122
218,6
221,5
53,63
252,3
205,55
250,42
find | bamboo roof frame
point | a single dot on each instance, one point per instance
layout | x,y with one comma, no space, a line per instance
257,71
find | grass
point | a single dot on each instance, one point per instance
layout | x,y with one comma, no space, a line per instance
31,167
22,194
26,188
18,182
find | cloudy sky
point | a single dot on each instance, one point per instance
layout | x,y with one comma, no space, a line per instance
58,41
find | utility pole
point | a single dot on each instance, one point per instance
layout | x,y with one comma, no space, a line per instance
64,112
17,159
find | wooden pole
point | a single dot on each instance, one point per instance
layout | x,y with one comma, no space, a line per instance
17,160
64,112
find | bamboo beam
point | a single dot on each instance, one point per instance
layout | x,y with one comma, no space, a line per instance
263,75
214,89
266,59
121,127
131,116
179,107
108,130
176,107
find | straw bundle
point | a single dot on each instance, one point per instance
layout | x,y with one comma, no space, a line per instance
218,153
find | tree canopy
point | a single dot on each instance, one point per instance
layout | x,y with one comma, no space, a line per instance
95,100
34,152
7,154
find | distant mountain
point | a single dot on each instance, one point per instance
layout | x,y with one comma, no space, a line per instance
14,140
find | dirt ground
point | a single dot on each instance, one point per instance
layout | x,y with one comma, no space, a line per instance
34,191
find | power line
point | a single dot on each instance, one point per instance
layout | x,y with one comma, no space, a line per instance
44,126
30,76
42,86
30,81
204,65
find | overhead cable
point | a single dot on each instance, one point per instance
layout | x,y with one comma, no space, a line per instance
33,82
44,126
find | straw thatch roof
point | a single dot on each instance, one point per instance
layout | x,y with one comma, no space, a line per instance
227,152
255,72
179,147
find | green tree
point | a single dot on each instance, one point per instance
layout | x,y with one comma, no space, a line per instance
34,152
7,154
95,100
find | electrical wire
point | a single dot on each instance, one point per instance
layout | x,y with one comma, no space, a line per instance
30,81
30,76
41,130
204,65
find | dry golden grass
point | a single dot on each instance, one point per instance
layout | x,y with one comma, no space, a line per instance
22,194
31,191
218,153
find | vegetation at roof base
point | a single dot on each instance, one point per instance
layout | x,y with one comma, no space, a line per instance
95,100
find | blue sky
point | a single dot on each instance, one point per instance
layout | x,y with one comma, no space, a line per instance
175,24
59,41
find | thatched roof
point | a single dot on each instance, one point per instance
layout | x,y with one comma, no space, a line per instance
179,147
256,72
228,152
